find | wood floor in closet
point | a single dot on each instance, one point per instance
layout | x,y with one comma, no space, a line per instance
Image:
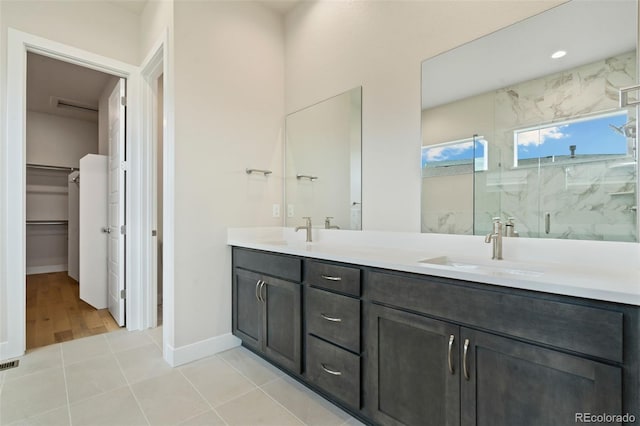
55,312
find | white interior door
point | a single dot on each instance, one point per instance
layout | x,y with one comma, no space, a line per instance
117,225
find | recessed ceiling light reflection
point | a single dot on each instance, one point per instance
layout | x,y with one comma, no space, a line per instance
558,54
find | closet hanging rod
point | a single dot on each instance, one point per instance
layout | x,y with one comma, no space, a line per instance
47,222
265,172
46,167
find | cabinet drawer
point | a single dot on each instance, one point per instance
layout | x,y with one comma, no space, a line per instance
343,279
335,370
584,329
333,317
276,265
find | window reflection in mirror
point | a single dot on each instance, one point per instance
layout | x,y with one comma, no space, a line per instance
323,163
561,155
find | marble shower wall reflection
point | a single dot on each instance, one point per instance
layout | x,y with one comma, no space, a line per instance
585,198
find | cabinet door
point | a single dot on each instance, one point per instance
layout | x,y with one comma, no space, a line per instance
247,309
514,383
282,322
408,378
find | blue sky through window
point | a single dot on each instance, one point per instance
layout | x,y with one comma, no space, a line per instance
454,153
591,137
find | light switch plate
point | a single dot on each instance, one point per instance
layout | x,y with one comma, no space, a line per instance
290,211
276,210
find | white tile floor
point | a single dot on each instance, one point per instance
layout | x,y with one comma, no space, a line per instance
120,378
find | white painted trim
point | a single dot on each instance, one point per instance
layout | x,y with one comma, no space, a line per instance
152,67
12,178
198,350
46,269
160,54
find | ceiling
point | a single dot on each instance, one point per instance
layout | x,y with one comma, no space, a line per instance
49,79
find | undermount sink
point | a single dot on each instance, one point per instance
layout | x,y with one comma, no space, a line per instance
493,267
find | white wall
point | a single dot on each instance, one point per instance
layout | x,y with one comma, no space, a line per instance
335,46
229,110
59,141
97,26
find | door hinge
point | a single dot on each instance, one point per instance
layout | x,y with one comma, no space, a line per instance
123,101
123,166
123,294
123,229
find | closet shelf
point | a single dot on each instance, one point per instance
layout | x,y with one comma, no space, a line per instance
47,189
48,222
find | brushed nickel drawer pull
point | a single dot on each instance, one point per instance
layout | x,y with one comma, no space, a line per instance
330,371
258,285
464,361
450,354
330,278
328,318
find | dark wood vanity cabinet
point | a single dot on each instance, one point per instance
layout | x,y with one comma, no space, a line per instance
397,348
333,330
423,371
267,310
454,361
412,369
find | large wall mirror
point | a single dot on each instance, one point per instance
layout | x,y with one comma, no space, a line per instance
323,163
525,124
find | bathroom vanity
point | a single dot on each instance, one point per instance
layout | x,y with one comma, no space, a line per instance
437,341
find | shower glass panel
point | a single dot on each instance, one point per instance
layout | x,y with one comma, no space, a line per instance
571,176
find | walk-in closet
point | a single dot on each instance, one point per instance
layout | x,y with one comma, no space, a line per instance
67,135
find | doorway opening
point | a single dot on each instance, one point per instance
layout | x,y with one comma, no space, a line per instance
74,200
158,125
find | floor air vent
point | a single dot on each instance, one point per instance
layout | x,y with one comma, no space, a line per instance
8,365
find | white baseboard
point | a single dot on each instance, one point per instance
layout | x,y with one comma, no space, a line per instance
198,350
45,269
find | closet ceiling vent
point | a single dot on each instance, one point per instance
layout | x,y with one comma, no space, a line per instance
58,102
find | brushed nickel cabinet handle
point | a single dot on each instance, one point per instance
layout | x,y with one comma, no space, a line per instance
257,295
330,278
332,319
263,298
330,371
464,361
450,354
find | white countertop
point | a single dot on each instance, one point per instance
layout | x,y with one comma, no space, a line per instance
600,270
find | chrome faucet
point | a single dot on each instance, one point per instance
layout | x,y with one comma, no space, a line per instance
496,237
307,227
328,225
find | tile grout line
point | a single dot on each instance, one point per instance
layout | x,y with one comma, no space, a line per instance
242,374
158,344
66,386
281,377
135,398
262,390
201,396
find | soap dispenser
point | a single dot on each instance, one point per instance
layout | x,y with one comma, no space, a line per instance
510,228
